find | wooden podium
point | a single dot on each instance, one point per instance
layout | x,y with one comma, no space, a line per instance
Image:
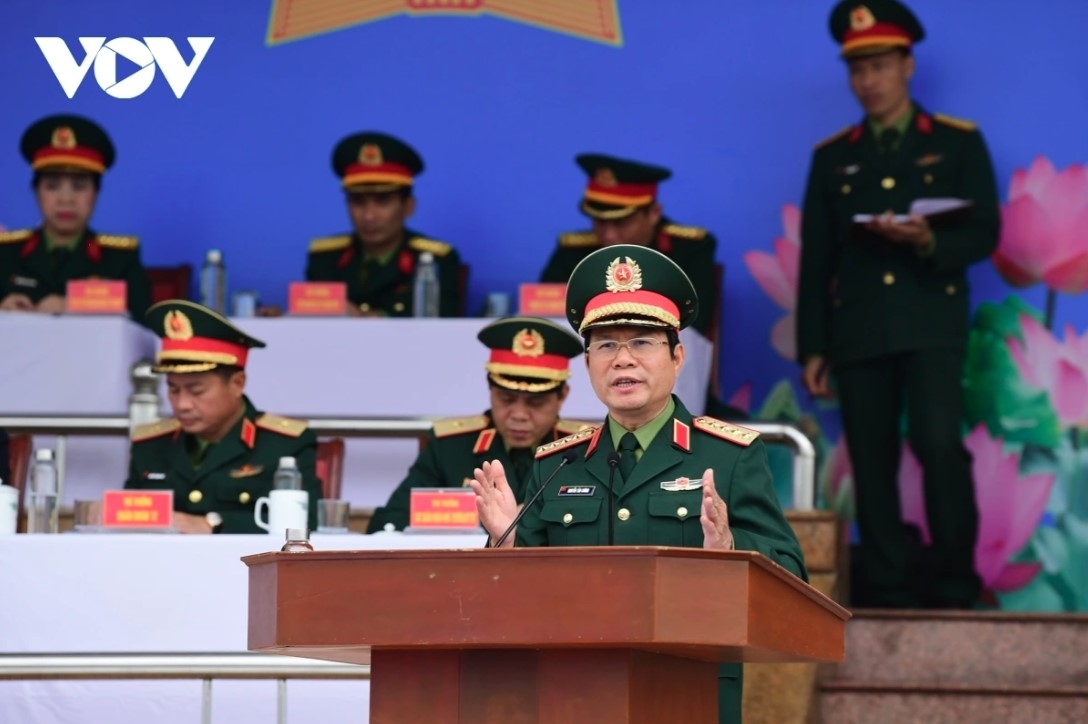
602,635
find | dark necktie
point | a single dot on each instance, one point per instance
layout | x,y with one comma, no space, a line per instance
888,139
523,461
628,445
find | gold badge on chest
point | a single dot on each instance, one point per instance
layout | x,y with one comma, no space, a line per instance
247,471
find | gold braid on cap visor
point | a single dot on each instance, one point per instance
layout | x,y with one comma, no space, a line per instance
627,309
182,368
543,373
522,385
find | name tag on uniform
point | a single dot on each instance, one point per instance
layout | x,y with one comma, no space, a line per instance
681,484
24,281
576,490
154,476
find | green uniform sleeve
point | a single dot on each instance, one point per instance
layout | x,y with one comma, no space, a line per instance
817,266
960,246
137,287
699,265
452,300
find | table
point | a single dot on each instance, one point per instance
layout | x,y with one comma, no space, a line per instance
313,367
85,593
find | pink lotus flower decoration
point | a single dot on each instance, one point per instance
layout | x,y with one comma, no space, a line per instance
1009,506
777,276
1061,369
1044,233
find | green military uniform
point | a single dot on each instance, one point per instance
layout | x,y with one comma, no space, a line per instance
232,474
454,448
529,357
892,319
29,263
31,268
223,477
691,247
372,163
655,497
385,285
618,188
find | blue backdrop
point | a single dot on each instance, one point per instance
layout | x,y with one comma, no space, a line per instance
732,95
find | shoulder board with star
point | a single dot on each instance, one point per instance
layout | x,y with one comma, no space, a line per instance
459,425
569,427
12,237
330,243
694,233
958,123
833,137
578,438
114,241
438,248
153,430
578,239
725,430
286,426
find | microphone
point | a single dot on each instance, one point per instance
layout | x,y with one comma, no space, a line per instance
568,457
613,463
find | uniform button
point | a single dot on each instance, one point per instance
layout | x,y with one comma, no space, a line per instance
950,289
567,519
243,498
889,278
195,496
888,182
623,514
928,178
398,307
682,512
845,189
364,307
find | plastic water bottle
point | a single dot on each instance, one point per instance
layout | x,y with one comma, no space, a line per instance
213,282
426,290
288,476
42,504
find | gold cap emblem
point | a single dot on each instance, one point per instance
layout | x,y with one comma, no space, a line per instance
177,326
623,275
63,138
528,343
370,155
861,18
604,177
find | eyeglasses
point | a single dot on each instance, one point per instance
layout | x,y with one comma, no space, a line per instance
639,347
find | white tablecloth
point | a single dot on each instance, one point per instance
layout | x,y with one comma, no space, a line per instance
121,593
312,367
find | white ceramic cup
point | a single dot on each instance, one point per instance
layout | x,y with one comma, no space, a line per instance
9,509
286,509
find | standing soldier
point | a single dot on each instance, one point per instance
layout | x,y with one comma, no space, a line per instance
883,304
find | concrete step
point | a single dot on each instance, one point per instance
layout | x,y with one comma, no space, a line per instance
985,650
848,702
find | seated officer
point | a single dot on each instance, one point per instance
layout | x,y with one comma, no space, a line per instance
679,480
218,453
526,374
68,155
378,260
621,201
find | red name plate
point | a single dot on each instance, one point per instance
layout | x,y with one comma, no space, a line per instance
96,296
443,508
325,299
542,300
138,509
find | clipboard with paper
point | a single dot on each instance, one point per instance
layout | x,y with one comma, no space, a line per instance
936,211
